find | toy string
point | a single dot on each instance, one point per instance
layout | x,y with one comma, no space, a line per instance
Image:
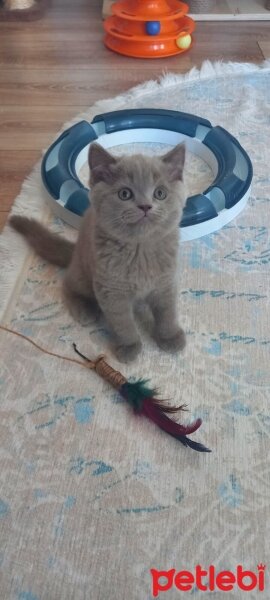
90,364
115,378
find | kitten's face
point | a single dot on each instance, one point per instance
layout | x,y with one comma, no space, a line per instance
137,196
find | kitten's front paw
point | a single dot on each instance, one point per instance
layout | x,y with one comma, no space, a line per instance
174,343
126,354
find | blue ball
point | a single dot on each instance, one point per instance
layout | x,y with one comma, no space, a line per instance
153,27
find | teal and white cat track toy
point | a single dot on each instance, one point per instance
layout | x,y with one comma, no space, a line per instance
204,213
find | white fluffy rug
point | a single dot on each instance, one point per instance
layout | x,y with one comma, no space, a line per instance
92,496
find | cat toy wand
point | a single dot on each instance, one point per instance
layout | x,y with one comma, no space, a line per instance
142,399
137,394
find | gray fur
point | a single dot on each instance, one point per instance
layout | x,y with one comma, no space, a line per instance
50,246
127,249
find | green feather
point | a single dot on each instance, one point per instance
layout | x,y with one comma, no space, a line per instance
135,393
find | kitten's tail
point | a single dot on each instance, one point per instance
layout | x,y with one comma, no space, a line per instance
50,246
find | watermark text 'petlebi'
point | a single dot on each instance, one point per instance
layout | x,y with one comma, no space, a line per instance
208,580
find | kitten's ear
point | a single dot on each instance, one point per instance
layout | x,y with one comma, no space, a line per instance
100,162
175,161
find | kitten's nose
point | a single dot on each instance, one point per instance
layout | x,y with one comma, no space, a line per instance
145,207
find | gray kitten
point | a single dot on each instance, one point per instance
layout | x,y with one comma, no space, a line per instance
127,248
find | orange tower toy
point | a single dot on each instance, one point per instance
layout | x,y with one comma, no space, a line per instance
149,28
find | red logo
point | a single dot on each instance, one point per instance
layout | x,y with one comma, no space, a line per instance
208,580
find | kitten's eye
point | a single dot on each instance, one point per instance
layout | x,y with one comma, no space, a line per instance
160,193
125,194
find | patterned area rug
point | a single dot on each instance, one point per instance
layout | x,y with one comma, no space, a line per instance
93,497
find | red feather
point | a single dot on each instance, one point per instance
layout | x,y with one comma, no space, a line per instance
156,411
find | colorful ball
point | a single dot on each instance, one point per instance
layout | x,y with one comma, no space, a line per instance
153,27
184,41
